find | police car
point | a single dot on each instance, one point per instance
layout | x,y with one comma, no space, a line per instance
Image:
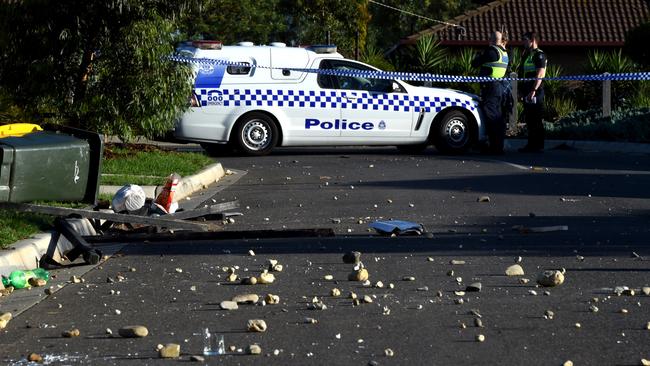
258,97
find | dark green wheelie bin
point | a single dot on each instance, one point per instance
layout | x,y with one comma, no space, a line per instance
57,164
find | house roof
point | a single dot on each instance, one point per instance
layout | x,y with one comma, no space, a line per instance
558,22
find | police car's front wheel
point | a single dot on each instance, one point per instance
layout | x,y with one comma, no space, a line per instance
256,134
454,133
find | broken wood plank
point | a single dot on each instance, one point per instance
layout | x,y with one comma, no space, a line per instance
210,210
114,217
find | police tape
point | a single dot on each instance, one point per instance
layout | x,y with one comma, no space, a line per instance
411,76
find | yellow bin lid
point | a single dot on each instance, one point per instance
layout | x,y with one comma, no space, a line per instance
18,129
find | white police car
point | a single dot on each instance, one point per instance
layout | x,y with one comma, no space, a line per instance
260,97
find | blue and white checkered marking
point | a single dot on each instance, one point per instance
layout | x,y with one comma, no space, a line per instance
327,99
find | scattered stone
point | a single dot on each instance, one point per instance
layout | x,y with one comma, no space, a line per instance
229,305
4,320
193,288
170,350
356,302
108,331
550,278
456,262
645,362
568,363
249,280
450,272
623,311
476,313
391,286
352,257
429,259
360,275
232,277
251,253
459,293
629,292
118,311
593,308
75,279
514,270
389,352
646,290
439,294
133,331
352,295
197,358
335,292
254,349
132,269
408,278
518,259
459,301
578,325
328,277
386,310
310,321
37,282
266,278
480,338
532,292
548,314
379,284
474,287
524,281
34,357
71,333
367,299
178,270
423,289
483,199
272,299
256,325
478,322
463,326
246,299
277,268
319,305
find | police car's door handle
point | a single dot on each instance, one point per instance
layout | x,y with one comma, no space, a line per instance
350,99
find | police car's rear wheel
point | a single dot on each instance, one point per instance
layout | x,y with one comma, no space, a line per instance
455,133
256,134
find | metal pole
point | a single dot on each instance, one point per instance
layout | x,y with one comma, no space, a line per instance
328,38
607,96
513,115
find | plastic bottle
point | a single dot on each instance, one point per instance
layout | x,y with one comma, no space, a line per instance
20,279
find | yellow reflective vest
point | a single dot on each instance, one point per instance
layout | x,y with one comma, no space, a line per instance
498,67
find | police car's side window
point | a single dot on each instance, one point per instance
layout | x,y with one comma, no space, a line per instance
324,80
352,82
239,69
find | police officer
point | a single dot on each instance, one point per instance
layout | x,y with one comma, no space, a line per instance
494,63
533,91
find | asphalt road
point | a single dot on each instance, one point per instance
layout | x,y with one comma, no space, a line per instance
601,198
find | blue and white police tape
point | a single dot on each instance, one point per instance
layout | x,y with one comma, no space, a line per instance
389,75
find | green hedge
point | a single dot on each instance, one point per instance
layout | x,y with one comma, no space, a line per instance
631,125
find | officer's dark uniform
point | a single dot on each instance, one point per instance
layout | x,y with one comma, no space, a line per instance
494,63
534,110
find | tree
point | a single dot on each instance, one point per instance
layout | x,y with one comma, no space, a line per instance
99,65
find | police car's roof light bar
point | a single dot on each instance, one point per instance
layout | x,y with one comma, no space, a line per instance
208,45
322,48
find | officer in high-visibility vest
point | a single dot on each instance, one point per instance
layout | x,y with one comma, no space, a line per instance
494,63
533,91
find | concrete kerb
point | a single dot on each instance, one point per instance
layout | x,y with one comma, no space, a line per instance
25,254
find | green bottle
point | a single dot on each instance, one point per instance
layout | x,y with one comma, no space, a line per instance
20,279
